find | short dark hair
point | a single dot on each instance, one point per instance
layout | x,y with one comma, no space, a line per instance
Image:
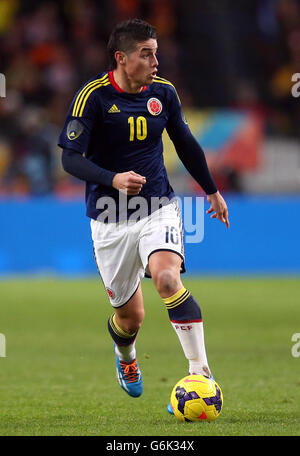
125,36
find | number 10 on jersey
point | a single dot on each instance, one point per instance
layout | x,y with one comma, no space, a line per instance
137,128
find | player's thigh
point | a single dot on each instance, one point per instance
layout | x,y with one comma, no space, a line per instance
161,242
118,261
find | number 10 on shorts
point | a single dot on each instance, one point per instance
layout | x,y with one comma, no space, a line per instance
171,235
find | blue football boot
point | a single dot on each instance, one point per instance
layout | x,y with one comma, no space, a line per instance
169,409
130,377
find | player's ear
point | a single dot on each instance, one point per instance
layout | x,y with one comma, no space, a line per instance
120,57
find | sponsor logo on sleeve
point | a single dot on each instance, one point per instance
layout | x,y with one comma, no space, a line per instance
74,129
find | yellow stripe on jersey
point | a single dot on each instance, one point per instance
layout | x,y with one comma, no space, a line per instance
164,81
77,111
86,87
84,90
103,84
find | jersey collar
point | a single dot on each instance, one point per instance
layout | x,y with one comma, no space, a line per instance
117,87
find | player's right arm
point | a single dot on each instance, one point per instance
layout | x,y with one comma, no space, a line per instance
74,139
129,182
78,166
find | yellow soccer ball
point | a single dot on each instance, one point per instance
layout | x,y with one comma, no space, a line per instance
197,398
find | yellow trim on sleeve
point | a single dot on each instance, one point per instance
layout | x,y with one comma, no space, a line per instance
87,96
83,91
164,81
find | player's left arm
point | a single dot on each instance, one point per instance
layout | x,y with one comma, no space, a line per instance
192,156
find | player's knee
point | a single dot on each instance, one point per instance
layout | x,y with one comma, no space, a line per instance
166,282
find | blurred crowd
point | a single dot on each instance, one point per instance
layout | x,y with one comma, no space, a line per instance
49,48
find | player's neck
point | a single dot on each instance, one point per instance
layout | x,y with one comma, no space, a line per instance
125,83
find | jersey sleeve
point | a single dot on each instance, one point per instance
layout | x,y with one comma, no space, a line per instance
177,124
84,113
187,147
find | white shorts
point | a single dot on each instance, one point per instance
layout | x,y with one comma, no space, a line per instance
122,249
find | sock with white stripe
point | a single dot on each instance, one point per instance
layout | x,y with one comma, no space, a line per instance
186,319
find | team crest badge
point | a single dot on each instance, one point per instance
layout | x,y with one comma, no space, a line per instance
154,106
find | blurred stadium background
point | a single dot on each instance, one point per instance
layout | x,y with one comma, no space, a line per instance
232,64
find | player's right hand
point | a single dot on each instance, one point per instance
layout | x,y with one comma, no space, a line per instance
129,182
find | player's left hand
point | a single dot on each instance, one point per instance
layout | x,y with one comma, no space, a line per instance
219,207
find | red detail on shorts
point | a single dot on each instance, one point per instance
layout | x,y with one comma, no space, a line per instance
202,416
110,293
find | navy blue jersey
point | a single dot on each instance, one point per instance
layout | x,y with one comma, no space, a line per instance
121,132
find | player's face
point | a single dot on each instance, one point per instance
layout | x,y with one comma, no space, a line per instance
141,64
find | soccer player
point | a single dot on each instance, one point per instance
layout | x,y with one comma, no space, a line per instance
112,139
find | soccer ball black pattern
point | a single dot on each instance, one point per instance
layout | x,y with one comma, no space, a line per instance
197,398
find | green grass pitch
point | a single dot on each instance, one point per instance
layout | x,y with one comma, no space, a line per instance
58,376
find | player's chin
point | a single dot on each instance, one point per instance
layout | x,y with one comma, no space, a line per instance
151,78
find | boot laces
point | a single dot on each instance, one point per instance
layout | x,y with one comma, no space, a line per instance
130,371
